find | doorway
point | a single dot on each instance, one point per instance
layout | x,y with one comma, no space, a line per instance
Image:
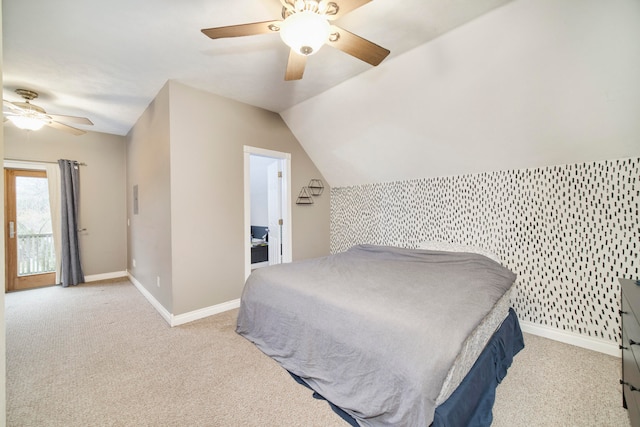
30,256
267,196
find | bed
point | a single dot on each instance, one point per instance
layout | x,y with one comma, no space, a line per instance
389,336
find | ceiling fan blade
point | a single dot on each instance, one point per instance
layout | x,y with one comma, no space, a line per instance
10,105
65,128
295,66
243,29
346,6
356,46
71,119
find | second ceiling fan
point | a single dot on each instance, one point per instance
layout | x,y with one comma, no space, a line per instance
305,28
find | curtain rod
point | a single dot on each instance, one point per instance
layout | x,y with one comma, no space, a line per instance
41,161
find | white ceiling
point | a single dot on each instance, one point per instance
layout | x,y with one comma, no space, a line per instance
107,59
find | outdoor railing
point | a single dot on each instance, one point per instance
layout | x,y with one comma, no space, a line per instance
35,254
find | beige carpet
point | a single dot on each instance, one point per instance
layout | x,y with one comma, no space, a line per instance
99,355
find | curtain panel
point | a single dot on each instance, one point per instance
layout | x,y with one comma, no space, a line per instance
70,266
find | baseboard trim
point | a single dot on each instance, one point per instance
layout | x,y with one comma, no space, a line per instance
589,343
181,319
105,276
154,302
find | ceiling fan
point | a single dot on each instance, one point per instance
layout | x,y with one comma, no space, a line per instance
305,28
26,115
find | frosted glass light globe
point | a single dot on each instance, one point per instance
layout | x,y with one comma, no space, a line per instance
27,122
305,32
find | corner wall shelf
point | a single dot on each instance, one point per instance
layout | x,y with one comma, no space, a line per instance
316,187
304,198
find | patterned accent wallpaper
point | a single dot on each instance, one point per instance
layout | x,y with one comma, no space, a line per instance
568,232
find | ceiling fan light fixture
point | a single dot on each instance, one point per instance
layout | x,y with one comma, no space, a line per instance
305,32
28,122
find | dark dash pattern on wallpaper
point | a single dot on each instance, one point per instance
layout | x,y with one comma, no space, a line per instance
569,232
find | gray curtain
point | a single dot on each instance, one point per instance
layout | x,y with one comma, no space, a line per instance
71,270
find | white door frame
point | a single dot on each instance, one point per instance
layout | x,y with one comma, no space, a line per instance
286,203
274,210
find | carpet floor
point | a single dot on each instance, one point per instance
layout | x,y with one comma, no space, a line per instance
100,355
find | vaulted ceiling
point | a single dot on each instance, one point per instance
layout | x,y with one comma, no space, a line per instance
106,60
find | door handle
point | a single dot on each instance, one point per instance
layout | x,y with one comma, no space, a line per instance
12,229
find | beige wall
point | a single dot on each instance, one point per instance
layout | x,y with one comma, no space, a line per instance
149,237
102,188
208,133
200,198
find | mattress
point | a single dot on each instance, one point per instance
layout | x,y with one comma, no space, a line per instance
473,346
477,341
471,403
376,330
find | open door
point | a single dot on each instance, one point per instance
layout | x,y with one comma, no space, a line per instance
277,201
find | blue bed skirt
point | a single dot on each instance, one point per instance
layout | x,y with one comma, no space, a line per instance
471,403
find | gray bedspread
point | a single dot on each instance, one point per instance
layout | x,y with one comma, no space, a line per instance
375,329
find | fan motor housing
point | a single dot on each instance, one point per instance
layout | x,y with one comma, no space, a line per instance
27,94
